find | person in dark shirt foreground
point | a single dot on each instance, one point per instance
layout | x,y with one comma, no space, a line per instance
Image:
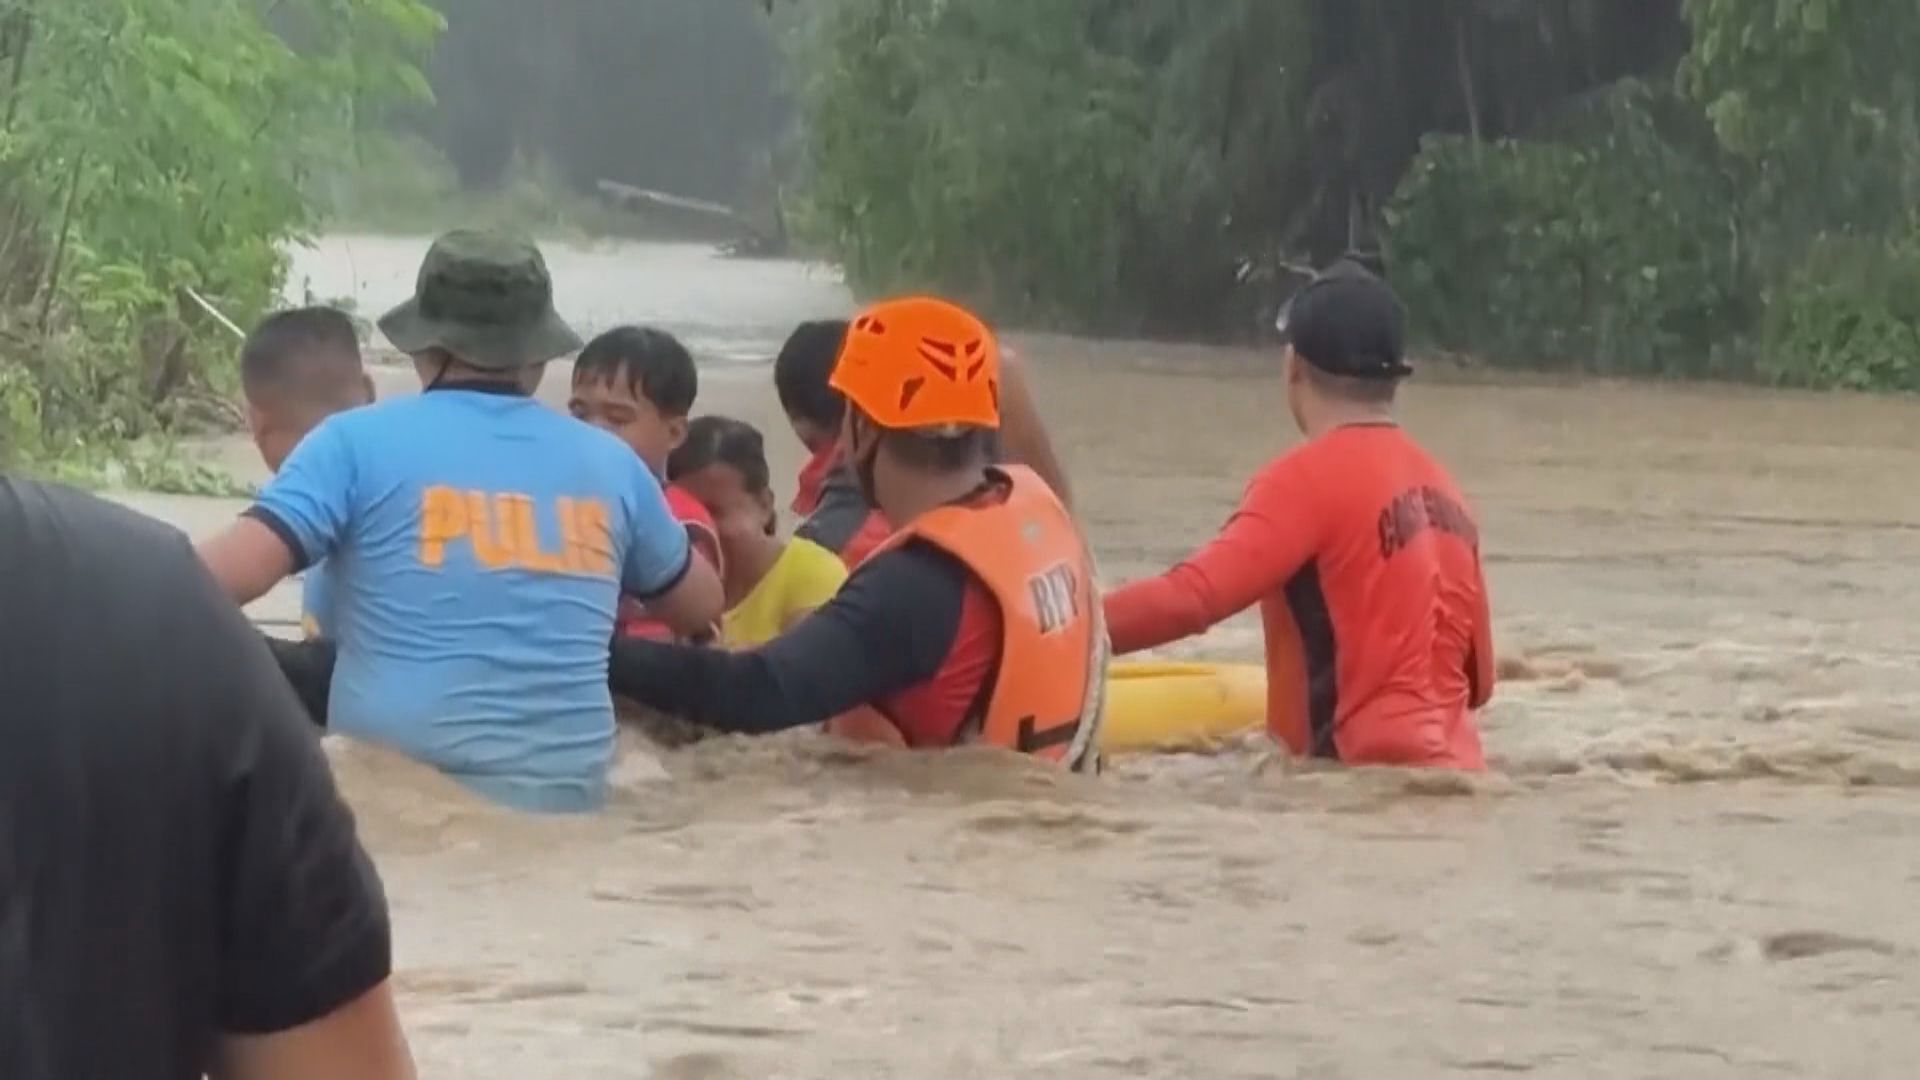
181,889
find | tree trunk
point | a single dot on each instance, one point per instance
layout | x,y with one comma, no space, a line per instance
58,263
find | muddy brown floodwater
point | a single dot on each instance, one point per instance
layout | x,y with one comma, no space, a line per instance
1696,856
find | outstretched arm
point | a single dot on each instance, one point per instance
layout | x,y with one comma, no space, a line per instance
1266,541
663,569
296,521
887,629
247,558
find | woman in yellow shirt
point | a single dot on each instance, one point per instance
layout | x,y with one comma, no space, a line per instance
771,583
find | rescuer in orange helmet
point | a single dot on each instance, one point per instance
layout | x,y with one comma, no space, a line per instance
976,621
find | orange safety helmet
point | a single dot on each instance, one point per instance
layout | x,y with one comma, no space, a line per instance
918,362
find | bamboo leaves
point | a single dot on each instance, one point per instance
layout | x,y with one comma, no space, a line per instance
161,146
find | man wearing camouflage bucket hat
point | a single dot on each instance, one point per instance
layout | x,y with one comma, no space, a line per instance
479,542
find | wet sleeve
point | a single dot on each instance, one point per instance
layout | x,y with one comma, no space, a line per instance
1268,539
1480,665
308,501
889,628
305,929
839,514
658,551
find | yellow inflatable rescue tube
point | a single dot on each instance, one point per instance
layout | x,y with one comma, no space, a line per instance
1164,705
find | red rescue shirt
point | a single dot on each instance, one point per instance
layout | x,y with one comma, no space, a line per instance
930,713
813,477
632,619
1365,561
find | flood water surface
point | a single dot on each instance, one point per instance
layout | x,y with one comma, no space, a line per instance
1695,857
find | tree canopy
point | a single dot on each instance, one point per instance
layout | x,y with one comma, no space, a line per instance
154,152
1629,186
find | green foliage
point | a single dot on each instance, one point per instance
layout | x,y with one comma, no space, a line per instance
1609,249
1165,165
19,414
148,464
1638,246
154,148
1848,317
1076,163
1821,98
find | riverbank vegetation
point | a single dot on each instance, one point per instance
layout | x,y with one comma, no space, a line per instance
1716,188
154,162
1670,187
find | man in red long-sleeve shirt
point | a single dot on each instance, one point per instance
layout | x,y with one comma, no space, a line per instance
1359,549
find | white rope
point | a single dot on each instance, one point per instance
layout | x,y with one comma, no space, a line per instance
232,327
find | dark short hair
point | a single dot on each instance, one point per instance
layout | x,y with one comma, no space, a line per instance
653,362
306,356
722,440
801,371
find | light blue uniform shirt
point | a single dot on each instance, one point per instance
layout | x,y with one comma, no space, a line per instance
476,544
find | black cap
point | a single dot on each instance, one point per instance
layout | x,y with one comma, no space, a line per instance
1347,322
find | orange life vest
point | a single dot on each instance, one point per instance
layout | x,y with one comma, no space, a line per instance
1047,695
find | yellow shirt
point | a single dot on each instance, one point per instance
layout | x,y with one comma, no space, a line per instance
805,576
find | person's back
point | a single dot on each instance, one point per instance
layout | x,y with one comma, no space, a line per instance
1359,549
477,576
1392,597
181,890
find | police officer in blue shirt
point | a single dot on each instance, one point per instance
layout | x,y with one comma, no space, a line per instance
477,543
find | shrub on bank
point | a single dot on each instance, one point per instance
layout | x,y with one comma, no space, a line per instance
1608,251
1848,316
158,155
1066,164
1628,250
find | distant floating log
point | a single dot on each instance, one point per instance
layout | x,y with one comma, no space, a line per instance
753,241
627,193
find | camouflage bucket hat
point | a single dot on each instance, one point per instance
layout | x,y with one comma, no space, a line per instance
487,299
